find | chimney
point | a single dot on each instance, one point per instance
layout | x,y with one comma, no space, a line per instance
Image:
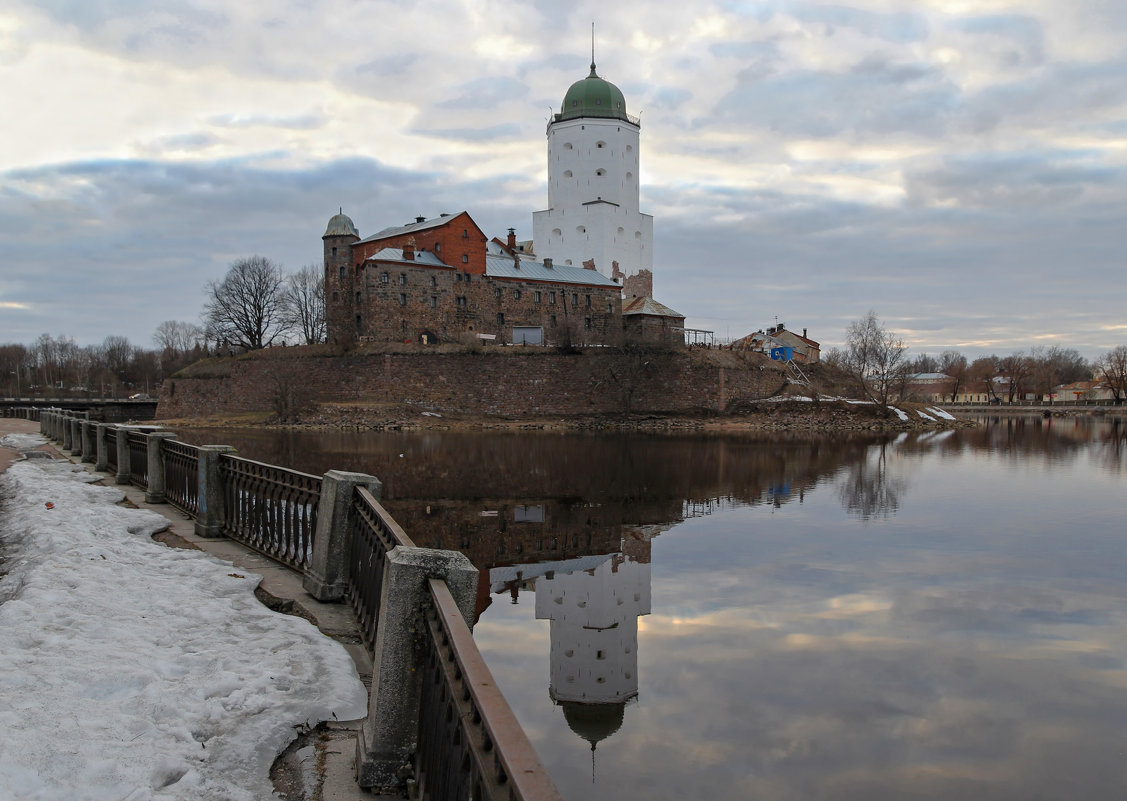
548,264
512,241
409,249
420,219
516,262
804,333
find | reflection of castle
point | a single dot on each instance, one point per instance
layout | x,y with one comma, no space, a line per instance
593,603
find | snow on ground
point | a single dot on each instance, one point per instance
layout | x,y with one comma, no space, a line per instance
130,670
924,415
941,413
899,413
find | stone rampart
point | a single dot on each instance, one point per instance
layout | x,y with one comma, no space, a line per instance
508,382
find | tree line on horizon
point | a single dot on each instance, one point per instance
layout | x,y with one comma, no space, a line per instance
879,360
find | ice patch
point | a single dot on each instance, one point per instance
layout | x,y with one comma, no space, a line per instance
130,670
899,413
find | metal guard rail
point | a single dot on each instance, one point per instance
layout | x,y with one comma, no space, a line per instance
271,509
110,436
181,475
470,743
374,533
138,458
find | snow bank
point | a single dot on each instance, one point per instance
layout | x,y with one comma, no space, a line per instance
899,413
941,413
925,415
130,670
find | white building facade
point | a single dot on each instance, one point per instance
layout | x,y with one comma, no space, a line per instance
593,185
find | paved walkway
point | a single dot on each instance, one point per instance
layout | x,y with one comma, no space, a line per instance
281,590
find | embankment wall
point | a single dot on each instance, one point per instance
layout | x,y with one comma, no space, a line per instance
509,382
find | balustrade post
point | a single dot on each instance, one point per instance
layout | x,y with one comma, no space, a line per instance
54,432
122,476
327,577
89,445
101,451
76,436
66,437
154,493
211,515
390,733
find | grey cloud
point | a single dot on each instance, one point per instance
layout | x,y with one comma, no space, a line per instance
878,97
900,27
302,122
488,134
483,93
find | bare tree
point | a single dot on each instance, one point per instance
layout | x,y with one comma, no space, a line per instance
875,357
954,365
305,303
177,337
1017,368
248,307
1113,367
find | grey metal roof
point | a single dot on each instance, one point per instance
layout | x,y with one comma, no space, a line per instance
648,305
410,227
503,267
422,257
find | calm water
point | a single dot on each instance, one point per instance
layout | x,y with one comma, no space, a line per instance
927,616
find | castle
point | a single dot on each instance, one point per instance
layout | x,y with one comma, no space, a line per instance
443,280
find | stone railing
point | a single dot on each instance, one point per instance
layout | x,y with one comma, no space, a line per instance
21,412
437,725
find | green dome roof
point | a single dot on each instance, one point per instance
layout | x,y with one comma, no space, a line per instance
594,97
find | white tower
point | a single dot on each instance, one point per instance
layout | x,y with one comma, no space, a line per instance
592,213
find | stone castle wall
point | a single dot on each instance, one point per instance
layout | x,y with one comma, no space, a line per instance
511,382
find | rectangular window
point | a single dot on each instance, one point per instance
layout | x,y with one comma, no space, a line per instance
460,300
384,278
538,296
588,301
402,298
516,294
587,323
433,281
434,301
610,308
500,318
459,277
465,258
552,321
403,278
574,299
552,297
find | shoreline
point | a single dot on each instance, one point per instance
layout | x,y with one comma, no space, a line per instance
761,417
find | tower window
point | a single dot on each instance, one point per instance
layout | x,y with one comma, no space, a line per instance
500,318
434,301
342,272
402,298
552,296
516,294
465,259
403,279
437,247
538,296
587,323
433,281
384,278
357,297
358,322
588,304
334,251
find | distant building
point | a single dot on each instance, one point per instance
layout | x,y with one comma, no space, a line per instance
802,348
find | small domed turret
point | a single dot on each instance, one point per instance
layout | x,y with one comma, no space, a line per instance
341,225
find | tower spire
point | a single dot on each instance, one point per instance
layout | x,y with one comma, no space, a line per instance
593,50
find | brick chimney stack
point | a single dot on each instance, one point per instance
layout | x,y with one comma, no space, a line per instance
512,240
409,249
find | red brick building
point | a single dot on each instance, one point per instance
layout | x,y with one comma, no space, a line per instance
443,280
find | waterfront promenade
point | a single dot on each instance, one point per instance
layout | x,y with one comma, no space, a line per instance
320,765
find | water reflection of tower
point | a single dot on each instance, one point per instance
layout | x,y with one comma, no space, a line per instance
594,637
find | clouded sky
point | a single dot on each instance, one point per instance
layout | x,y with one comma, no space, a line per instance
960,166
